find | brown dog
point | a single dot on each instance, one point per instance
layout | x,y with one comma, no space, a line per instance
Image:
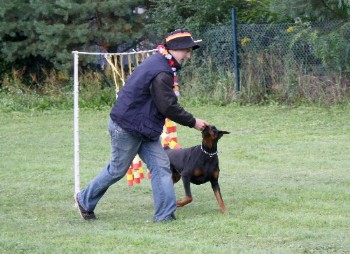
198,165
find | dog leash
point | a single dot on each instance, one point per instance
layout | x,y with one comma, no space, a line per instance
210,154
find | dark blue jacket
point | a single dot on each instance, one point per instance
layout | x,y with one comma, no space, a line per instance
141,104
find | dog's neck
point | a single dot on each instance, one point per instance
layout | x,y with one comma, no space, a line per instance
209,148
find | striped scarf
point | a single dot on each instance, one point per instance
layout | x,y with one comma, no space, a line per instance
161,49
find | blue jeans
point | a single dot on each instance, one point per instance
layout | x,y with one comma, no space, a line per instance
124,148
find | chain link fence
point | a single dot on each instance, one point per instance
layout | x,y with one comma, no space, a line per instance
310,60
289,61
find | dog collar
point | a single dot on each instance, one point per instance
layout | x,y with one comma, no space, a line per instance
210,154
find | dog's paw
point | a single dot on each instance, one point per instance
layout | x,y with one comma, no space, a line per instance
223,209
179,205
184,202
225,212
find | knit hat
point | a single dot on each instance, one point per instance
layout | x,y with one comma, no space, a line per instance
180,39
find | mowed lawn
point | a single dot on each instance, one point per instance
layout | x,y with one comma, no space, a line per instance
285,180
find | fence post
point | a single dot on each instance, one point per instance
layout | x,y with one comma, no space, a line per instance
235,50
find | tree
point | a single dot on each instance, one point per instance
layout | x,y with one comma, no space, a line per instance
166,15
43,33
312,10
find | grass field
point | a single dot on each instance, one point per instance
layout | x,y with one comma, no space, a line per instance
284,178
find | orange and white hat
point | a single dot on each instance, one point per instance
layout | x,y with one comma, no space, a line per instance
180,39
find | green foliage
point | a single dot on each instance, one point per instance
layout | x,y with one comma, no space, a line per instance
295,63
56,93
334,49
167,15
312,10
37,35
330,45
205,83
44,33
5,67
254,12
278,63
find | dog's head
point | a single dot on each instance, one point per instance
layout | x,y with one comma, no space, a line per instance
211,134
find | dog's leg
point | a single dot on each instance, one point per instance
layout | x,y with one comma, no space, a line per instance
217,193
188,198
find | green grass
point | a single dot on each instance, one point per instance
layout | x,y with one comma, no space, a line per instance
284,178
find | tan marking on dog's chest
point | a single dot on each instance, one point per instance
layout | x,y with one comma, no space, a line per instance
216,174
198,172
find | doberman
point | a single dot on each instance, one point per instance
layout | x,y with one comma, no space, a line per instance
198,164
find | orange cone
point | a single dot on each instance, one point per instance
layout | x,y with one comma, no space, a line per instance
137,179
142,176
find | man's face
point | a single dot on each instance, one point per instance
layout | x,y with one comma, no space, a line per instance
181,55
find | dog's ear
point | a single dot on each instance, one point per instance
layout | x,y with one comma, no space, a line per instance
221,133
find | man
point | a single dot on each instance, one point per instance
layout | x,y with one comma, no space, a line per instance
137,119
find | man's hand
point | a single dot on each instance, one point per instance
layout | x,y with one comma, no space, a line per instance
200,124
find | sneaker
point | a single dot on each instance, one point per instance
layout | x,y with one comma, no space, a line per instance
168,219
84,214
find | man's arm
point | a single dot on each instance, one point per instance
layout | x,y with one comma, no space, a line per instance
166,101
